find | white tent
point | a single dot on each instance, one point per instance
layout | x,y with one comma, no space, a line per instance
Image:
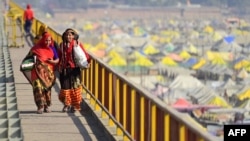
229,83
245,105
203,95
185,82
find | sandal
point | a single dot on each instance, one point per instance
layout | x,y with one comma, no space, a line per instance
65,108
46,109
72,110
40,111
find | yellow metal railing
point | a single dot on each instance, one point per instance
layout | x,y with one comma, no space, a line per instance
13,21
143,116
135,113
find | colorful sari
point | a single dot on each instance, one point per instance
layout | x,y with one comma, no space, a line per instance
42,75
42,79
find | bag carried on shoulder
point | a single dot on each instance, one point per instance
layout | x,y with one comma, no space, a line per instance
26,66
27,63
80,57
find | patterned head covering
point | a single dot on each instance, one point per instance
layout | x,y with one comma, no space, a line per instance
41,50
42,41
72,31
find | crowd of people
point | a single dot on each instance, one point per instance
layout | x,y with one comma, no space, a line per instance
50,57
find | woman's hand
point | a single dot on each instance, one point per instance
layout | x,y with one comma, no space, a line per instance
52,61
76,43
88,66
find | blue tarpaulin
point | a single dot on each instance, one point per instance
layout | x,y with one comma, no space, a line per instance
190,62
229,39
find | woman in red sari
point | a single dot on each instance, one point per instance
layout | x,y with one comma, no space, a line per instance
70,80
42,75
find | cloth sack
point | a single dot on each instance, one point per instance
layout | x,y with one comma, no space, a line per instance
80,57
27,64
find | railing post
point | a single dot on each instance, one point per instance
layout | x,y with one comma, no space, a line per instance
124,106
182,132
103,86
96,87
153,122
142,118
117,100
132,124
166,127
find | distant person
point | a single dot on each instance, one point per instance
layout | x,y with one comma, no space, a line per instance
28,19
159,90
6,6
239,118
182,12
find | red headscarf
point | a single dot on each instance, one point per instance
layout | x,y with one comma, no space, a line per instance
42,53
28,6
41,50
